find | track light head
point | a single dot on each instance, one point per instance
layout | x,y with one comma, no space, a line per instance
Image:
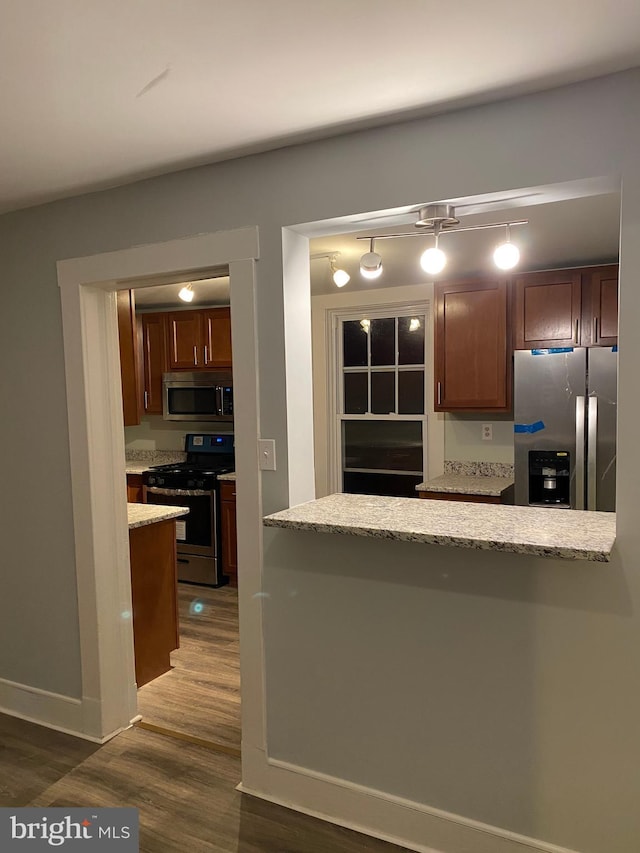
186,293
506,255
371,263
340,276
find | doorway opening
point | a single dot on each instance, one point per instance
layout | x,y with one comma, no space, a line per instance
181,351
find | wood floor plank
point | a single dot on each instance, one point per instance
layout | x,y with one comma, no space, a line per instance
185,794
200,696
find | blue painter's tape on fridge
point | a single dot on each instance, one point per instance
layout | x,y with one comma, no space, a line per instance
551,351
614,348
535,427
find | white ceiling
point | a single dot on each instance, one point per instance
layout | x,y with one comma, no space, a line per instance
95,94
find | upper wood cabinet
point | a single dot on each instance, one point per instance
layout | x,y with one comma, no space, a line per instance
129,366
548,309
567,308
199,339
154,360
472,346
217,323
600,306
185,340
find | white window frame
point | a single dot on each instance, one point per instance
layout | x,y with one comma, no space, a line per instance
335,389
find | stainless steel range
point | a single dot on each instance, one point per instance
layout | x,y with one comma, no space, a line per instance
195,484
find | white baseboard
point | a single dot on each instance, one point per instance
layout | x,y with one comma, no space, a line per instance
51,710
366,810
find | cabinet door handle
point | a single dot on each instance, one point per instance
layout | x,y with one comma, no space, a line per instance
576,336
439,393
146,399
195,355
206,360
595,330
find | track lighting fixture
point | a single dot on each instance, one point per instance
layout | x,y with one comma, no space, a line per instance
371,262
506,255
340,276
186,293
434,259
435,220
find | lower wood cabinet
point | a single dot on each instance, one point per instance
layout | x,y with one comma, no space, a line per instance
134,488
154,598
229,534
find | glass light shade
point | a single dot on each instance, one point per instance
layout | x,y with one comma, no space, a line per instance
506,256
371,265
186,294
433,261
340,278
414,324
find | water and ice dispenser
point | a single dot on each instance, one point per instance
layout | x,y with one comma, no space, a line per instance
549,477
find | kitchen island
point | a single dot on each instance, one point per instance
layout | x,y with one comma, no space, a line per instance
565,534
152,552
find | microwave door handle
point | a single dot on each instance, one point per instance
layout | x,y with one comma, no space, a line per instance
218,399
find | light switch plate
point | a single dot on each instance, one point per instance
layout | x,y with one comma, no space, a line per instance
267,454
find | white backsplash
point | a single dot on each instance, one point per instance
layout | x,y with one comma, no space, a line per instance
154,433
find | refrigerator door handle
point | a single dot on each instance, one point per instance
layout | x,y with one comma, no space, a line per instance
580,452
592,444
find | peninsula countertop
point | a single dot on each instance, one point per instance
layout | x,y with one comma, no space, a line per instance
143,514
565,534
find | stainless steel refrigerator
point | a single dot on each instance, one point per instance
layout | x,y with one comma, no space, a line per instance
565,427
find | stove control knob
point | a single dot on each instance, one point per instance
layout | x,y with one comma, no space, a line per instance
160,481
152,480
199,484
191,484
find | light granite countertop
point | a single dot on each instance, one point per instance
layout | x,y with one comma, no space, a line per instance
231,476
471,484
567,534
137,467
143,514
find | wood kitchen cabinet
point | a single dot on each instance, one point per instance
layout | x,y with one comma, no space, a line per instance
129,365
567,308
548,309
154,598
472,346
600,306
217,333
199,340
229,533
134,488
154,331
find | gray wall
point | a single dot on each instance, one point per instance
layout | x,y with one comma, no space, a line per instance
501,687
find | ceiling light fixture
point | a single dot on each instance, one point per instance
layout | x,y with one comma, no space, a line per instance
340,276
506,255
435,220
434,259
186,293
370,262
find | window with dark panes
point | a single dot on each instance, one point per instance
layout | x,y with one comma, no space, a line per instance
382,406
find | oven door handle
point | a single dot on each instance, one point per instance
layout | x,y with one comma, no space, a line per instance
176,493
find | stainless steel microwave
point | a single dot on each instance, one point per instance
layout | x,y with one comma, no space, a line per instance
205,395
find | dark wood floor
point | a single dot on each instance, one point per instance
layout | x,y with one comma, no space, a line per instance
185,793
200,696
